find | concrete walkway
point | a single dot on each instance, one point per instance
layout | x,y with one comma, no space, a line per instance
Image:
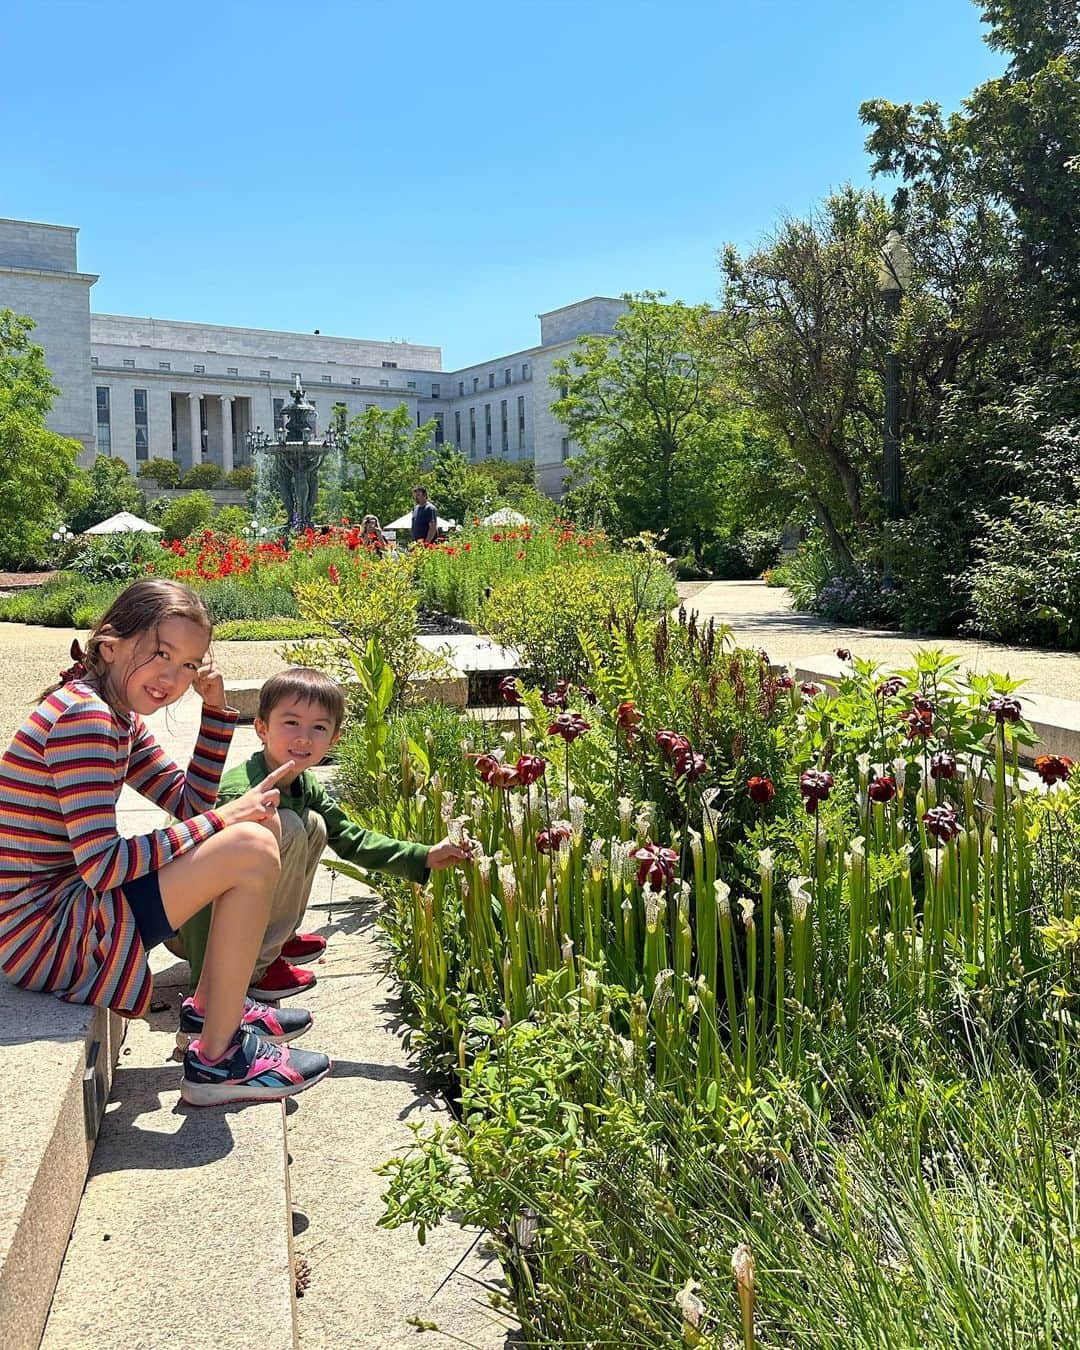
760,616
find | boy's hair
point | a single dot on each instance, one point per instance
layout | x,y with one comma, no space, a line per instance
307,686
140,608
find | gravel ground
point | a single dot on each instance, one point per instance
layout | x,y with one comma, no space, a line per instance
760,616
31,657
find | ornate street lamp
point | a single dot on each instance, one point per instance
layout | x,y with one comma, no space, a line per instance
894,279
62,535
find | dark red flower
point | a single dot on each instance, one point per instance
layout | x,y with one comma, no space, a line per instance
815,786
486,767
785,682
569,725
761,790
1005,709
509,691
1053,768
882,789
655,864
941,823
504,776
548,841
809,689
920,722
627,717
530,768
889,688
690,765
842,654
557,697
334,574
671,744
922,705
943,765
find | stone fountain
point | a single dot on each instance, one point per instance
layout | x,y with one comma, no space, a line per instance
296,454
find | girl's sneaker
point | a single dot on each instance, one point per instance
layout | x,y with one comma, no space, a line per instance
276,1025
251,1070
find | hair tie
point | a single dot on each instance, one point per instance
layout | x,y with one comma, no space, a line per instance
77,671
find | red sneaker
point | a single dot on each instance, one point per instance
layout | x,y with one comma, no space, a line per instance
303,948
280,980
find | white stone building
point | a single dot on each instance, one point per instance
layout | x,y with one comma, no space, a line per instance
144,389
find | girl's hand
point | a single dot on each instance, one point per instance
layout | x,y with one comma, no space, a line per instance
257,803
445,854
209,684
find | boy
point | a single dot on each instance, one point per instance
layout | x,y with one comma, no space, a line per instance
300,716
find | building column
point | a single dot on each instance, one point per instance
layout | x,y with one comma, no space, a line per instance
195,453
226,433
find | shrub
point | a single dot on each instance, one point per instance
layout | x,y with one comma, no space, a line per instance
113,557
234,598
205,475
267,630
187,514
164,472
69,601
1026,585
231,520
240,478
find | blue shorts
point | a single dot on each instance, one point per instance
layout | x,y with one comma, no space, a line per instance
144,900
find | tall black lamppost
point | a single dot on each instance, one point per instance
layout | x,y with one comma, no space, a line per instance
894,278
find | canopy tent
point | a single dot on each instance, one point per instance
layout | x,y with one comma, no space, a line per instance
405,523
506,515
122,523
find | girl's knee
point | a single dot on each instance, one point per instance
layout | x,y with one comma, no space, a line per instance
256,845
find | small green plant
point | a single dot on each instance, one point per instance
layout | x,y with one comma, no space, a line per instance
241,478
185,515
204,475
164,472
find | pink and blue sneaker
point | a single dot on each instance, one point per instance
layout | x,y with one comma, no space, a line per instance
250,1070
276,1025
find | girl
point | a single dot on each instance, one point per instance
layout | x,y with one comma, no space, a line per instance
80,904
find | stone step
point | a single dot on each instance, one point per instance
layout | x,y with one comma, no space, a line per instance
1056,721
58,1063
183,1239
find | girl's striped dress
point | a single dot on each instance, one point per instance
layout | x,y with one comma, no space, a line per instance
65,925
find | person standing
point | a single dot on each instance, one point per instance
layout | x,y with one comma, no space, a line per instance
425,519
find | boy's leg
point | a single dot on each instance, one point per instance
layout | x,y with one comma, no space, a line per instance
194,935
303,838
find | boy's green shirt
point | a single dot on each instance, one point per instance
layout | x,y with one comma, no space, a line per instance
351,842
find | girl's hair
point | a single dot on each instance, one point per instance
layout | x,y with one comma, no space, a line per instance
374,520
142,608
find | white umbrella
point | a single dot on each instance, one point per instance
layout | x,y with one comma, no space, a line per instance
506,515
405,522
122,523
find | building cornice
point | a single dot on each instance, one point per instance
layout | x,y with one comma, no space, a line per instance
48,274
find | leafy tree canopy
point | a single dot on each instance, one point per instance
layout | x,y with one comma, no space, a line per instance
384,461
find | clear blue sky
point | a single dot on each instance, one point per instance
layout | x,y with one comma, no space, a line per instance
443,173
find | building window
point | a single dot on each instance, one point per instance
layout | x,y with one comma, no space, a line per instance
487,428
457,430
508,375
327,379
199,370
505,426
434,391
410,384
385,384
491,379
440,434
461,388
279,414
93,361
129,363
472,432
232,370
161,365
521,421
389,365
142,428
264,374
476,384
525,370
104,426
368,406
356,380
565,448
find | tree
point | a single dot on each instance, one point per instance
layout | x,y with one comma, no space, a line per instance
101,491
459,492
648,408
35,464
383,462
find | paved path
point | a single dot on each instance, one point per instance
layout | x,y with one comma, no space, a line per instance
760,616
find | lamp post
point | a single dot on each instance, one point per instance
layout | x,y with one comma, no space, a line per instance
894,279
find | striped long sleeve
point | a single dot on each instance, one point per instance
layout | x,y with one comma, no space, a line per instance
152,772
81,754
